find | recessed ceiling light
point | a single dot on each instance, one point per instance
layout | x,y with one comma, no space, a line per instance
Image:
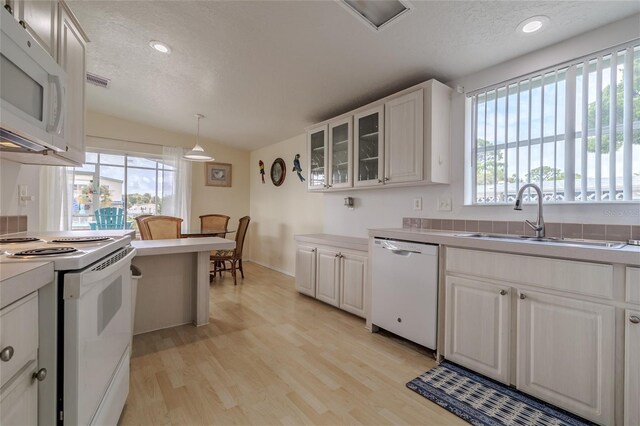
533,24
160,46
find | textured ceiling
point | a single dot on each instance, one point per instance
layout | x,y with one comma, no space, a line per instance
260,71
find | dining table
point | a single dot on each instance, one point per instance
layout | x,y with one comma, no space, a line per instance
209,233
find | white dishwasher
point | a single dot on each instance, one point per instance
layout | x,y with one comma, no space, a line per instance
405,289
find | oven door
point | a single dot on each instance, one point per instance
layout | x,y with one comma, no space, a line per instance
97,332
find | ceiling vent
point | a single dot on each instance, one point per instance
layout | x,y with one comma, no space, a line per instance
97,80
378,14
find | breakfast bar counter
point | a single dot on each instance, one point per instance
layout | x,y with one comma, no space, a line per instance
174,286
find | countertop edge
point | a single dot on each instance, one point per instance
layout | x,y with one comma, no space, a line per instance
341,241
449,238
27,278
182,245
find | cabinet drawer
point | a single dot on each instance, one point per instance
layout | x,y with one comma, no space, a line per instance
633,285
591,279
19,330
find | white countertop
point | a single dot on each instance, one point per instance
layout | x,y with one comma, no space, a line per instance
628,255
20,279
353,243
181,245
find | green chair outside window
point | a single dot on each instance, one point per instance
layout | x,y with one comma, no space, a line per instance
110,218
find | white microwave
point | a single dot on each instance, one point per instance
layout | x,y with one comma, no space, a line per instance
32,93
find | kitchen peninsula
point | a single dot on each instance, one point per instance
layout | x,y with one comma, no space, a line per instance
174,286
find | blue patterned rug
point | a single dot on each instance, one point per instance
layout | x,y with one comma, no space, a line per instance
482,401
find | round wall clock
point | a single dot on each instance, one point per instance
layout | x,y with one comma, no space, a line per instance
278,171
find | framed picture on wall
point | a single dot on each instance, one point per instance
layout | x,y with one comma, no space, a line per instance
217,174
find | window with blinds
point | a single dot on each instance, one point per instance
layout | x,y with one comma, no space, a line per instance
574,130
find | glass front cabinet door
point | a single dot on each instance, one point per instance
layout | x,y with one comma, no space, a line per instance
369,147
340,154
317,157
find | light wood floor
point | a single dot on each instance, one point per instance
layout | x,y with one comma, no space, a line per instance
272,356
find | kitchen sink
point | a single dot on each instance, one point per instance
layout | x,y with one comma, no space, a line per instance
563,241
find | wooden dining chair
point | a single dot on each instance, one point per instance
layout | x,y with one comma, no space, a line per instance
143,229
214,222
160,227
219,258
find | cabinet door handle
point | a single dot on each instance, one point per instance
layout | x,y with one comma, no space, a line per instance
6,354
313,250
23,24
634,319
40,375
503,292
386,179
379,180
6,6
338,254
523,296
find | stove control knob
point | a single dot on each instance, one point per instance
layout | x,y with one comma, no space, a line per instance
6,354
40,375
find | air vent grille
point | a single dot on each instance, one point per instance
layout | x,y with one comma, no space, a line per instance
97,80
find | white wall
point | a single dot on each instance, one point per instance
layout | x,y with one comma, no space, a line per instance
387,207
279,213
14,174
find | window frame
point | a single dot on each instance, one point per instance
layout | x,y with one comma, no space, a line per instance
471,133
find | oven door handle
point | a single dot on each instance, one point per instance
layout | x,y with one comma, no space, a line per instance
97,272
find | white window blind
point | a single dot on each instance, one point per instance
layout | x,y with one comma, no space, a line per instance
573,129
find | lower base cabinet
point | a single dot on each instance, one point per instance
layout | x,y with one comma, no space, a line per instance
478,321
552,335
332,275
632,368
565,353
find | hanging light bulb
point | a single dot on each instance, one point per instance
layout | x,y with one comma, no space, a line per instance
197,153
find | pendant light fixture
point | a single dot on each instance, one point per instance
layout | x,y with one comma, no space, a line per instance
197,153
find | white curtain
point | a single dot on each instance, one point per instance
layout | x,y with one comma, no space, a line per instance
55,199
176,185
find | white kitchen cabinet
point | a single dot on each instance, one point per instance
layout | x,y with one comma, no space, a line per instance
317,157
19,361
368,147
632,368
19,401
478,318
565,353
340,157
38,17
306,270
333,269
353,275
328,276
404,140
71,56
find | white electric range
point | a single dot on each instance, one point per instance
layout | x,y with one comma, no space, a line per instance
84,324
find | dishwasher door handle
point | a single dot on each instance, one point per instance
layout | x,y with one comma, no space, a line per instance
401,252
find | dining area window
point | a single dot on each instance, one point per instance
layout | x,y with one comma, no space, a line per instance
123,185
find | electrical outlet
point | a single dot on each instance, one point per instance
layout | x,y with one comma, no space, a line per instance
22,194
444,204
417,203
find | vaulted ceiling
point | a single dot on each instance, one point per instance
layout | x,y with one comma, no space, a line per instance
260,71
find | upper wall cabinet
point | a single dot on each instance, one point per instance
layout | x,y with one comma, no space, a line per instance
368,145
402,139
71,57
317,157
38,17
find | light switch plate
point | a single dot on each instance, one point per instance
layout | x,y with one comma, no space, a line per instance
444,204
417,203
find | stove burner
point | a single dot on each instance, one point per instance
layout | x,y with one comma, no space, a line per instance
49,251
80,239
18,240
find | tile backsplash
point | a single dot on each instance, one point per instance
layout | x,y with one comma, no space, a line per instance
557,230
11,224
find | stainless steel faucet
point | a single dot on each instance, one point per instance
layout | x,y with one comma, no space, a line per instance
539,225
